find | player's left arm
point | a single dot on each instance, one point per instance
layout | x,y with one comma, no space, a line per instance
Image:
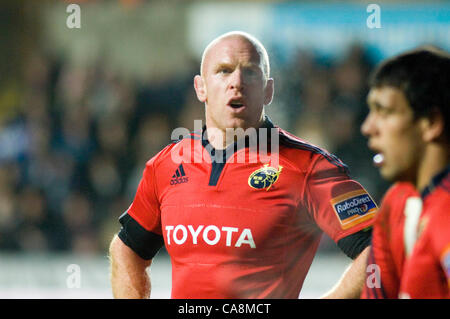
344,210
352,281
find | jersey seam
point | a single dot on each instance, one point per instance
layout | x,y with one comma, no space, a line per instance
307,191
155,188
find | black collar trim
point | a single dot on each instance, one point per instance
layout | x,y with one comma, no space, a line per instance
436,181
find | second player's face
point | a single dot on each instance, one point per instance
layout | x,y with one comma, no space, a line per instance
393,133
233,85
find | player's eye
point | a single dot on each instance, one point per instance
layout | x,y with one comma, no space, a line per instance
381,110
250,72
224,70
385,111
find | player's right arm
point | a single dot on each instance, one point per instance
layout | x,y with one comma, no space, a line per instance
138,241
129,278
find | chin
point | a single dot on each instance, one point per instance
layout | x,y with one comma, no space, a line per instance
388,174
395,176
238,123
389,178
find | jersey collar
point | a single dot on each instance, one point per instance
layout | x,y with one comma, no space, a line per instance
436,181
233,148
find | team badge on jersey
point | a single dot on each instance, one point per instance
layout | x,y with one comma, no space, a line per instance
264,177
353,208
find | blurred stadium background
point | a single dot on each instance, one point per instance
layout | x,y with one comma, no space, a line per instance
81,110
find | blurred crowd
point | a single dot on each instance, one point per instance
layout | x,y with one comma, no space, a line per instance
73,149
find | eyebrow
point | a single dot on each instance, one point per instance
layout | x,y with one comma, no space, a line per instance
221,65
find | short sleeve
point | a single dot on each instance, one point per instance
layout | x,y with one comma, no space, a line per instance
338,205
141,223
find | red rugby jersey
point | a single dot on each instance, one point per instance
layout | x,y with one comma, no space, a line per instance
411,242
387,251
243,230
427,271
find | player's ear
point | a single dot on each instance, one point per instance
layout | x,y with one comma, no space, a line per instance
200,88
268,92
432,126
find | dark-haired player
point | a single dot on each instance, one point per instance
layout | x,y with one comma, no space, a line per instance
408,127
233,228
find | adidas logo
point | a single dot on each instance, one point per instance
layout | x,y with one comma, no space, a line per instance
179,177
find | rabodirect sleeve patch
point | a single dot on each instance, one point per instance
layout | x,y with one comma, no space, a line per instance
353,208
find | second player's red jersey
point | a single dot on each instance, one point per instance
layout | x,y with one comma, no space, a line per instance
245,230
427,271
411,243
387,252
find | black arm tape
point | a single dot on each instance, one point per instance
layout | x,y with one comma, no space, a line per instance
354,244
143,242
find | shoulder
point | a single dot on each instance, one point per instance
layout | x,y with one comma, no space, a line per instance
437,204
175,151
395,198
302,149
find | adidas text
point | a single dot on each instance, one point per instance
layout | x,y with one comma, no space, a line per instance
180,180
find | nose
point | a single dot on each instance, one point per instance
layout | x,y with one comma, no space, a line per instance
237,80
368,127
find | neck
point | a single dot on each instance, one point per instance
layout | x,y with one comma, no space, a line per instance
435,159
221,138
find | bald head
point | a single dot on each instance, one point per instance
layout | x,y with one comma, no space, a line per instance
251,40
234,83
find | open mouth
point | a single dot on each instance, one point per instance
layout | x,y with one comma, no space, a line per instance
236,103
